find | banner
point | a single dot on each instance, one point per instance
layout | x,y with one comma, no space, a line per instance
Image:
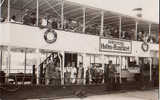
113,45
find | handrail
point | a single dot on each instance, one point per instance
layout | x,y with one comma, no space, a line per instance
46,59
83,33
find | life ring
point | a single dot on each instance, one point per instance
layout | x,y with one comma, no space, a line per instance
145,47
50,36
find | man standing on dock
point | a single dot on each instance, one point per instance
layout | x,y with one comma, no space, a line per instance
110,76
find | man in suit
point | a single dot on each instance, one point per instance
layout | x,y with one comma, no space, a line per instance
109,72
80,75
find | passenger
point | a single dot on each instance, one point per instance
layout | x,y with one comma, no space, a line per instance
150,39
2,20
111,76
142,77
80,75
59,24
66,22
67,74
132,34
44,22
88,29
58,74
109,34
50,20
140,35
123,35
93,74
33,19
116,34
27,18
34,74
100,76
79,27
70,26
87,75
127,36
13,18
47,73
73,73
54,23
54,74
145,37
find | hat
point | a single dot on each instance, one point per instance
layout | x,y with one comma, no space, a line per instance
26,10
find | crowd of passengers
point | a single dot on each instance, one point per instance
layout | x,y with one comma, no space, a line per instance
51,22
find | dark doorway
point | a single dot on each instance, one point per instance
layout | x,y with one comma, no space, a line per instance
70,58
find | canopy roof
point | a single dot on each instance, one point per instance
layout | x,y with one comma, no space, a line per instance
74,11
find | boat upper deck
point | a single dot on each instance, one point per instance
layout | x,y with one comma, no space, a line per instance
78,18
24,36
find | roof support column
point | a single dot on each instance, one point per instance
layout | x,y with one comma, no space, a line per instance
9,6
120,27
62,66
62,14
25,60
84,67
8,60
84,19
136,31
150,69
120,75
102,23
37,22
149,32
38,61
1,8
1,57
157,36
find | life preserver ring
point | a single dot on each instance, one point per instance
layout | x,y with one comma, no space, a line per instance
50,36
145,47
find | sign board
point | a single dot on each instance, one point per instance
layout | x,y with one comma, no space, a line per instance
113,45
134,69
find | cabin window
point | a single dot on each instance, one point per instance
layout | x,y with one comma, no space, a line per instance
17,65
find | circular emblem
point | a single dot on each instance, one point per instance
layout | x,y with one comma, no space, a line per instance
145,47
50,36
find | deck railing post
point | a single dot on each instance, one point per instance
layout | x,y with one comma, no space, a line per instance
136,30
120,58
62,68
1,57
150,26
157,35
37,65
103,65
62,14
9,6
1,8
85,67
84,19
37,13
9,59
150,69
102,23
120,27
25,60
8,64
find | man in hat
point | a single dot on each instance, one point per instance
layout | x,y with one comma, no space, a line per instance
27,18
110,76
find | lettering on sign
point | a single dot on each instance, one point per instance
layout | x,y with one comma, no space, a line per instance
113,45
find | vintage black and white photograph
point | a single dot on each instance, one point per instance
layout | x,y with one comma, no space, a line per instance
79,50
